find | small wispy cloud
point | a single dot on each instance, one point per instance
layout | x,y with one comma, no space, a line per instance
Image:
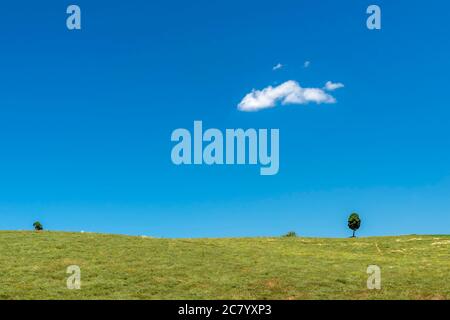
289,92
307,64
278,66
331,86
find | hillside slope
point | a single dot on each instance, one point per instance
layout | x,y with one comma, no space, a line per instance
33,266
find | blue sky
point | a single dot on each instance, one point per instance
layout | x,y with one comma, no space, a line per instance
86,117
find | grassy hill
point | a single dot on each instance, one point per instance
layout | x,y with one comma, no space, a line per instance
33,266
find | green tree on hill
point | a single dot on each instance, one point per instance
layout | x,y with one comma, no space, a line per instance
38,226
354,222
290,234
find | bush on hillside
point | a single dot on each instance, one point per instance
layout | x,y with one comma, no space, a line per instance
38,226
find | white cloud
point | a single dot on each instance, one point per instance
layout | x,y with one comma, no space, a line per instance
278,66
331,86
289,92
307,64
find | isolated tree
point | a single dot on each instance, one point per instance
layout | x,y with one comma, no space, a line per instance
290,234
354,222
38,226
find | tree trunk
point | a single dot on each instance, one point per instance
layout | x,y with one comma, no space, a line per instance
353,234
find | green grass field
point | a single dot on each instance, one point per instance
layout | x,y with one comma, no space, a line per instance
33,266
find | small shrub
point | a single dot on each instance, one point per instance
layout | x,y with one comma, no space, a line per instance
290,234
38,226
